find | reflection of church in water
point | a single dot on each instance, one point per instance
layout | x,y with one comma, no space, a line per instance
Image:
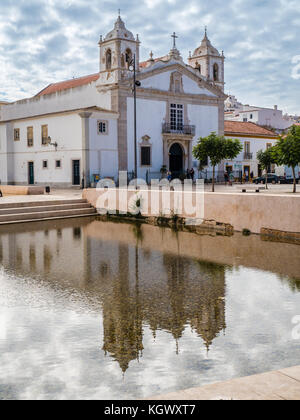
189,294
136,287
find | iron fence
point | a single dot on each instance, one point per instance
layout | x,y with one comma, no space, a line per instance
179,129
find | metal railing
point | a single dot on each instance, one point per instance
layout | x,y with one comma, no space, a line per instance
207,176
179,129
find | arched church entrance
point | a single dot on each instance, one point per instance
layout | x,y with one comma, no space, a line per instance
176,160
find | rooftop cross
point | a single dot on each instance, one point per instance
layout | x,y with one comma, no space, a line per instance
174,36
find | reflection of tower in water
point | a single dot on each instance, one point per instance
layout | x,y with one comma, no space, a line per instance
187,293
207,315
195,295
122,318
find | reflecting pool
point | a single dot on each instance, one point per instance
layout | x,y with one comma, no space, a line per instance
103,310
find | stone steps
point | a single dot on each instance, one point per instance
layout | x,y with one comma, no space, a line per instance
44,210
41,203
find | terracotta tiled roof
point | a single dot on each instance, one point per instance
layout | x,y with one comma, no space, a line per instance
69,84
144,64
250,128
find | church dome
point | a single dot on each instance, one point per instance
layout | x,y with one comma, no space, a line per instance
205,48
120,31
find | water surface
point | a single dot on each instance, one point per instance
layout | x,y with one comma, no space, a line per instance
92,309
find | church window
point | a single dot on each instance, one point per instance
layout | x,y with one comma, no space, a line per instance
216,72
247,149
30,136
16,134
45,164
108,59
146,156
58,164
198,67
128,57
102,127
122,61
176,117
45,135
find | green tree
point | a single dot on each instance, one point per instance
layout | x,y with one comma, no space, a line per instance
287,151
216,148
266,159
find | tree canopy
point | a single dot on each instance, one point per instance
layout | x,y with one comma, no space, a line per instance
216,149
266,158
287,150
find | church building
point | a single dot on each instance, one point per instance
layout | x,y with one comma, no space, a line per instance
78,130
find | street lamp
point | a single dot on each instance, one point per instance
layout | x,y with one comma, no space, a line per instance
136,83
49,142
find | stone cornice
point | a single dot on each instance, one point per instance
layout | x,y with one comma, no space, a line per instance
67,112
183,69
178,136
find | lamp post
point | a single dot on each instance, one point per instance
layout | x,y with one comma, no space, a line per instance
136,83
49,140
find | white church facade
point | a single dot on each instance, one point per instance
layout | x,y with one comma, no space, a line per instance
77,130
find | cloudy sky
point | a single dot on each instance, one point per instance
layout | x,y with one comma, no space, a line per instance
43,41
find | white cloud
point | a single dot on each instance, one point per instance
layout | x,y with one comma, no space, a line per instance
296,68
42,41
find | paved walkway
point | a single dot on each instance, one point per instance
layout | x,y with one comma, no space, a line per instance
237,188
56,194
279,385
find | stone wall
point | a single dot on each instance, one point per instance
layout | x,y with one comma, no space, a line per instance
243,211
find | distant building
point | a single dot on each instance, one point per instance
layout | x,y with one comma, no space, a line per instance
253,138
232,104
271,118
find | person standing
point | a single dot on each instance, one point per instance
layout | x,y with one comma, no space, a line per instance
192,173
226,177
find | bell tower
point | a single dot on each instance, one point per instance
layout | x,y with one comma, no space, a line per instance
209,62
117,50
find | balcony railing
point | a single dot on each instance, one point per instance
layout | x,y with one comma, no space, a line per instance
248,156
179,129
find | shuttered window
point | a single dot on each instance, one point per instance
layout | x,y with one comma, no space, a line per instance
16,134
29,136
145,156
44,135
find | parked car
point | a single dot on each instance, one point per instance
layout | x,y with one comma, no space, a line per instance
286,180
272,178
288,175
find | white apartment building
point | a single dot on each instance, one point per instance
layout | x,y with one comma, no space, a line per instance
266,117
